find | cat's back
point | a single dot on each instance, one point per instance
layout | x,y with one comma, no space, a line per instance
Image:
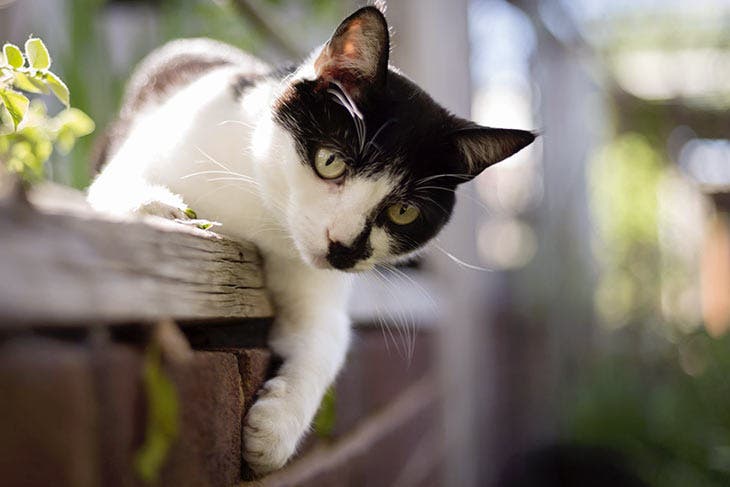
180,62
168,69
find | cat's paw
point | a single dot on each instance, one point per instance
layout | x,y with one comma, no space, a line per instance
272,430
180,214
165,210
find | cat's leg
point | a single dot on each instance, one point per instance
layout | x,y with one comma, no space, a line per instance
117,194
311,335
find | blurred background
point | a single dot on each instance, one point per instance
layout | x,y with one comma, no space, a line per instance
581,294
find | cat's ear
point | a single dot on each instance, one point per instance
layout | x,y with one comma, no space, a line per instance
480,147
356,56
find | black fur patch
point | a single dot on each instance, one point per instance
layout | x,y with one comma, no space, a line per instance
344,257
407,135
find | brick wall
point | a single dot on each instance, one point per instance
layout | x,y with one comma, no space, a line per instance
73,412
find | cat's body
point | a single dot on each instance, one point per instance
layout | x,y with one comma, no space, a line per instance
341,163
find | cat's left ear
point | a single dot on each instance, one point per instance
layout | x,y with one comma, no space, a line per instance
356,56
480,147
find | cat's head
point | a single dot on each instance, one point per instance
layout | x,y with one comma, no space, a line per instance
371,161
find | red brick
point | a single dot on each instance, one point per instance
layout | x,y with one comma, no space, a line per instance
118,372
208,450
48,415
253,364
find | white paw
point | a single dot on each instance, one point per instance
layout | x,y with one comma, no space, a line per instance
180,214
164,210
272,429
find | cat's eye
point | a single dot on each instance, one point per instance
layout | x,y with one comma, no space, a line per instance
402,214
329,164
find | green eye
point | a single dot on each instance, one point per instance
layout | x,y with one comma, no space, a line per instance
402,214
329,165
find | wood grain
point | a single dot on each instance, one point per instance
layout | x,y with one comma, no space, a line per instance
60,263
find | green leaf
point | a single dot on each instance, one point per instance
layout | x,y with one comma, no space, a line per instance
13,55
16,103
162,417
58,88
37,54
65,140
324,421
29,83
190,213
204,226
6,122
73,119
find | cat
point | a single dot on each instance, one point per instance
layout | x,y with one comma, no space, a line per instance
330,167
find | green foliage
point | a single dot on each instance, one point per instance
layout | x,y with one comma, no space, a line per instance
670,415
162,417
37,54
25,150
27,134
625,177
324,421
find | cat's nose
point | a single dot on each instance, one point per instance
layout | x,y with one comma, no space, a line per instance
340,256
344,257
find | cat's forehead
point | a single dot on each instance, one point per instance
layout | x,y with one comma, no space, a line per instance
399,130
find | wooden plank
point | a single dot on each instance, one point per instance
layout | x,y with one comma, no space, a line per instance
61,264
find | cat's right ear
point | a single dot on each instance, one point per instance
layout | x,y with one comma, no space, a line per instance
356,56
481,147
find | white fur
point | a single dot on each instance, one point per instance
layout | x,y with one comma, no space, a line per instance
177,153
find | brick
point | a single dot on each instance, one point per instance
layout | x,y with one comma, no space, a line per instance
208,450
253,364
48,414
118,371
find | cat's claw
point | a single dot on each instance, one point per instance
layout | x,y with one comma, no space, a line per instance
184,215
271,430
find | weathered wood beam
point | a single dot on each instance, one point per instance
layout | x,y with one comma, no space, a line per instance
62,264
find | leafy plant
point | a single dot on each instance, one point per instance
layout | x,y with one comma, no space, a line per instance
163,411
27,134
324,421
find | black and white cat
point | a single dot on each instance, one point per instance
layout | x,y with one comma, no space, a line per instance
336,165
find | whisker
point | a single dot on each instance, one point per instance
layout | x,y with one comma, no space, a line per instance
464,176
402,275
398,316
231,173
349,99
238,122
406,326
344,99
479,202
461,262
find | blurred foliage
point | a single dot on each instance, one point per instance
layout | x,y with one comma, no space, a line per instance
162,417
89,49
624,181
670,414
27,134
658,390
324,420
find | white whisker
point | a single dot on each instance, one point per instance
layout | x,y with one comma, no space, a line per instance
461,262
238,122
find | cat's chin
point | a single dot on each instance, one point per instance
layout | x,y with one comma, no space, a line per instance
318,261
